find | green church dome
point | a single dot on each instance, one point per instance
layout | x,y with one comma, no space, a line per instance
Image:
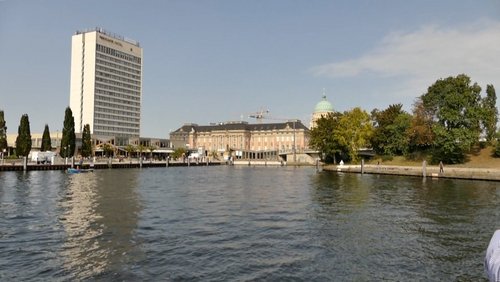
323,106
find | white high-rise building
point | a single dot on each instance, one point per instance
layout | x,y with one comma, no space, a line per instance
106,83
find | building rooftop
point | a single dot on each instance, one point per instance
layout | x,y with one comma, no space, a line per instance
241,126
110,34
323,106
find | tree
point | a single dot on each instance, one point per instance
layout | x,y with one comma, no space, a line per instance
3,133
130,149
490,112
23,140
341,135
179,152
86,142
420,134
496,151
108,149
151,148
355,132
46,142
397,138
455,106
389,136
140,148
322,137
68,139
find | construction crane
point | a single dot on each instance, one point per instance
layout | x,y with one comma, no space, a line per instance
259,115
263,114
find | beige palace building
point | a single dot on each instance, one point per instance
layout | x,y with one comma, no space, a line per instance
260,140
106,83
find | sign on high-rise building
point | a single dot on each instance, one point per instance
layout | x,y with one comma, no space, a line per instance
106,83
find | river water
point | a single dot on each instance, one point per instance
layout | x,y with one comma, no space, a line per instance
242,224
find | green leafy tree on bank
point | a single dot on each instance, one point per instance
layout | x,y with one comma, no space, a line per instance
323,139
23,140
140,148
496,151
86,142
46,142
490,118
355,132
390,133
341,135
108,150
455,106
3,132
68,140
178,153
420,134
130,149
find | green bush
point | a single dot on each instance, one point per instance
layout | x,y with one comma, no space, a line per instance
483,144
496,151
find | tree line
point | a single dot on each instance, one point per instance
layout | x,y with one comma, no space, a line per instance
67,146
446,124
68,139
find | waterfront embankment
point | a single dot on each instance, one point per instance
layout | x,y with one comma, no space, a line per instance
17,166
115,163
258,163
490,174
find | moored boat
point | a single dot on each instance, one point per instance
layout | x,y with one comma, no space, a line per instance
79,170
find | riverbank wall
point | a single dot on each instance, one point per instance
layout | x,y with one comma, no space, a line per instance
258,163
487,174
31,167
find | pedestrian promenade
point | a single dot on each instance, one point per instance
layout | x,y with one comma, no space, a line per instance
491,174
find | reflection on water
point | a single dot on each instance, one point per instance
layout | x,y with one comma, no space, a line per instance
457,217
29,229
81,250
100,213
345,195
242,223
427,230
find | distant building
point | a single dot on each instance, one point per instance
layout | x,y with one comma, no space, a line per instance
322,109
243,138
106,84
36,140
106,93
160,146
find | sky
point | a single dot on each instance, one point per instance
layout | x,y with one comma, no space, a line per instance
222,60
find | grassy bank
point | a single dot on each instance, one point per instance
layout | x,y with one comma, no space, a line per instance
481,159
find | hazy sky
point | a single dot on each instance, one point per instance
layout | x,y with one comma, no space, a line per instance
215,61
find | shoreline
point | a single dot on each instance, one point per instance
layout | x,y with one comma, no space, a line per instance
18,166
487,174
60,165
450,172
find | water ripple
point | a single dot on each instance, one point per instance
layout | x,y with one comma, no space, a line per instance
241,224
